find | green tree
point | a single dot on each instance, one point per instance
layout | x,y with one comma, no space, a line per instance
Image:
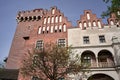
114,7
53,63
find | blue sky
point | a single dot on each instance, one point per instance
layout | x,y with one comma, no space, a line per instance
9,8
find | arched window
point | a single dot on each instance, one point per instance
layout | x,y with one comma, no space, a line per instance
21,19
89,24
60,19
64,27
56,28
85,25
52,20
99,24
44,20
51,29
111,22
94,23
56,19
88,16
39,30
48,20
53,11
80,25
26,18
38,18
43,30
30,18
60,28
34,17
47,29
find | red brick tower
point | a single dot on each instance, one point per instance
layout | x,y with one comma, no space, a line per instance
36,28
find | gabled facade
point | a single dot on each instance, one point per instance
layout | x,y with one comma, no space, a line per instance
35,29
93,41
96,43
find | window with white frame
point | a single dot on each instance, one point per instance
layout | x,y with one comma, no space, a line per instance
86,40
61,42
102,39
60,19
87,60
39,44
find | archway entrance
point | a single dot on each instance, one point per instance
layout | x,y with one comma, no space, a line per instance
100,77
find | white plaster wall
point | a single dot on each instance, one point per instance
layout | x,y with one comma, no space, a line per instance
75,36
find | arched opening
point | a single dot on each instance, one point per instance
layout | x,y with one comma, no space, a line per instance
45,20
88,16
60,18
52,21
38,18
48,29
53,11
88,58
105,59
48,20
34,18
30,18
39,30
64,28
26,18
80,25
100,77
56,19
60,28
94,23
99,24
85,25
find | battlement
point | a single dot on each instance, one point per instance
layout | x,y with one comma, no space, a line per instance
33,15
36,14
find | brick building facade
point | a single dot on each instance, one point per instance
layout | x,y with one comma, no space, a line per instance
38,27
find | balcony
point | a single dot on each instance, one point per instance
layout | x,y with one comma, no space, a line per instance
106,64
102,65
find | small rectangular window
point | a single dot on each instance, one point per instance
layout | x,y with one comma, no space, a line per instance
102,39
39,44
86,40
61,42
